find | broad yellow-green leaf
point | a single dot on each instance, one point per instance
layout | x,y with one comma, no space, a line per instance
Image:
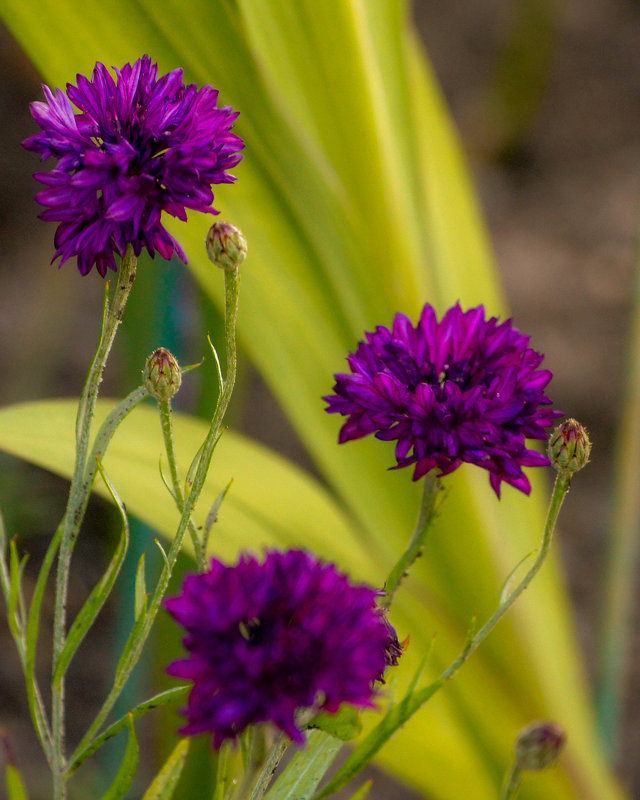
271,502
356,204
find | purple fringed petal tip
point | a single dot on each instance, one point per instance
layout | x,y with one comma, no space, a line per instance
129,148
265,639
462,389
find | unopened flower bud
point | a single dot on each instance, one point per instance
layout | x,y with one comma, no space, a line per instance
162,374
569,446
539,745
226,246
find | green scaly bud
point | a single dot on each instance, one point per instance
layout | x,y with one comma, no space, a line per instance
226,246
162,374
569,446
539,745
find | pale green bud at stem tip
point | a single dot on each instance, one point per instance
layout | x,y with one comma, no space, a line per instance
226,246
162,375
569,446
539,745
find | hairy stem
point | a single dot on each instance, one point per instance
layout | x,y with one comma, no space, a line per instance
79,491
430,489
166,422
511,782
140,633
560,489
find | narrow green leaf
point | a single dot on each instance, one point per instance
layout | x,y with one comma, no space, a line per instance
511,577
15,592
165,480
191,472
22,606
212,516
216,358
169,697
126,663
5,581
164,784
101,591
36,705
162,553
140,588
306,769
128,657
420,669
109,426
124,777
345,724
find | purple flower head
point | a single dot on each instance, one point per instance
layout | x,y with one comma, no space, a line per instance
465,388
137,146
266,639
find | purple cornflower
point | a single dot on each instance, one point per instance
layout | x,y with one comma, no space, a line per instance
140,145
266,639
462,389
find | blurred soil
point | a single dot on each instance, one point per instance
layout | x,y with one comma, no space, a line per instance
562,208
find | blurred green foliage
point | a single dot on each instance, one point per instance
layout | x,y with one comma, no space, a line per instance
356,203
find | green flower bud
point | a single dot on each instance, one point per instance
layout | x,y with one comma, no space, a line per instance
569,446
226,246
162,374
539,745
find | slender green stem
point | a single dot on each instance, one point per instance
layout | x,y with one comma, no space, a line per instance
78,493
560,489
140,633
100,445
167,434
166,421
231,283
401,712
430,489
512,782
107,430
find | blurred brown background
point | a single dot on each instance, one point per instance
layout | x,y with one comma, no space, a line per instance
560,195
